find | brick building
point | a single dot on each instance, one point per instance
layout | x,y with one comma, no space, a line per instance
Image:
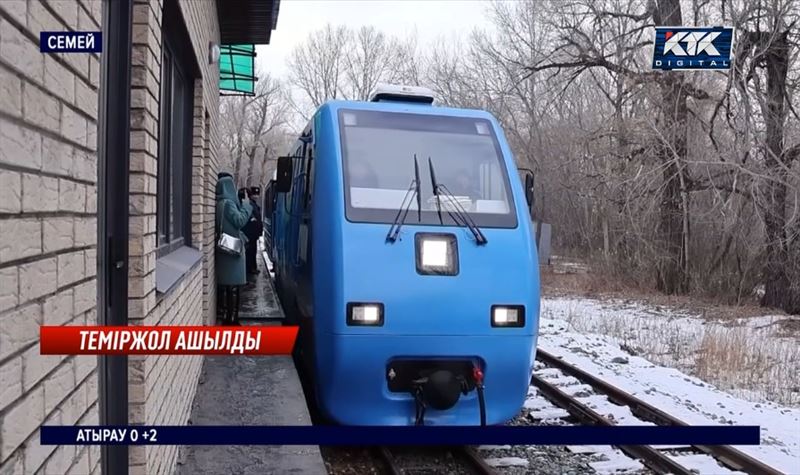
106,213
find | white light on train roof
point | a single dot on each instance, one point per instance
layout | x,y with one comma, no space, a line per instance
393,92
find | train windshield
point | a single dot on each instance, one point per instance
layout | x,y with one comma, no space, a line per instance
379,148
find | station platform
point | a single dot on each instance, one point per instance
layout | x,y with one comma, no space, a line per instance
250,390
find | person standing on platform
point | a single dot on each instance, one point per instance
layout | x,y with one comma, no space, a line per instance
253,231
231,216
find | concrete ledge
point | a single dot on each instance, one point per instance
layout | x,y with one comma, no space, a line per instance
172,267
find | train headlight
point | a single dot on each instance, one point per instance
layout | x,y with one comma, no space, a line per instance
437,254
508,316
365,314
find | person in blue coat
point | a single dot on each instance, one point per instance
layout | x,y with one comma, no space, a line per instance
232,215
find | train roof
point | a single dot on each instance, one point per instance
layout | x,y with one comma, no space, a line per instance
398,106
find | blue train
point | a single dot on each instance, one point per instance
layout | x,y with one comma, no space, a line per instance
402,245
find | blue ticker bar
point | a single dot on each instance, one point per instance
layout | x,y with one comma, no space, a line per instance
400,435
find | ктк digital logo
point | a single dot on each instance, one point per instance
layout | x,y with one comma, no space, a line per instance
692,48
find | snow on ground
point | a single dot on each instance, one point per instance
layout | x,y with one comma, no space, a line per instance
616,462
265,256
507,462
686,397
755,358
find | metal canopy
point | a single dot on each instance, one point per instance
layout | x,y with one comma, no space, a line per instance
237,70
247,21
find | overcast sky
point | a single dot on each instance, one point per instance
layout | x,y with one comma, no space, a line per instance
431,18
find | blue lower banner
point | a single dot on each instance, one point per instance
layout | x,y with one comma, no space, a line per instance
401,435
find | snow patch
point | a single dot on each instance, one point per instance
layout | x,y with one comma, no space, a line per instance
616,462
494,447
507,462
753,358
686,397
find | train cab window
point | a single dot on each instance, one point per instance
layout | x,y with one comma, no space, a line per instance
379,147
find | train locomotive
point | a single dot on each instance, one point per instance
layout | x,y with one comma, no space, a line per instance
403,247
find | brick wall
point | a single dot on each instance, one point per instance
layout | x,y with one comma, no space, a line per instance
161,388
48,206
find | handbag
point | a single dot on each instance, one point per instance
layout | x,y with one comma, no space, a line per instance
228,244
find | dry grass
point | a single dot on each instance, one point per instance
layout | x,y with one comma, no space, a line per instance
736,359
753,362
565,278
661,340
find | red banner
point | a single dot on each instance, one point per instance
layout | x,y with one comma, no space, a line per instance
166,340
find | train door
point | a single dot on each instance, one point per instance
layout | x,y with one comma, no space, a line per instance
267,211
305,233
304,300
282,231
295,195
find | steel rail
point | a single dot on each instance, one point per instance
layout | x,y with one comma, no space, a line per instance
475,461
729,456
388,459
652,458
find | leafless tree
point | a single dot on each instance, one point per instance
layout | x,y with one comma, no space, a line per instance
688,181
765,72
251,127
339,63
317,65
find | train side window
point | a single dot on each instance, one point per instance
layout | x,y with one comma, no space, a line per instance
299,170
292,190
268,204
309,187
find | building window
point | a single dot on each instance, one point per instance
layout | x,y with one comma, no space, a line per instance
173,228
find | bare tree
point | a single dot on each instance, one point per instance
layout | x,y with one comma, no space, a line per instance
317,66
338,63
250,128
689,182
582,45
765,56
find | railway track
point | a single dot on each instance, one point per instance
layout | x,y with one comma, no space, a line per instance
658,460
470,462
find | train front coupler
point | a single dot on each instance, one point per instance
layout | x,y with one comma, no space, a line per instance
436,384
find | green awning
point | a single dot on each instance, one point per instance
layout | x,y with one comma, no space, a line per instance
236,70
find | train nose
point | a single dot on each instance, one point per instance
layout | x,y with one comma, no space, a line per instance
442,390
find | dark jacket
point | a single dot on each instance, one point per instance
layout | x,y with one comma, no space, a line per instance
231,217
255,226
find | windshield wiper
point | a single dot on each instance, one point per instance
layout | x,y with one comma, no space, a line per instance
463,216
435,187
400,218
